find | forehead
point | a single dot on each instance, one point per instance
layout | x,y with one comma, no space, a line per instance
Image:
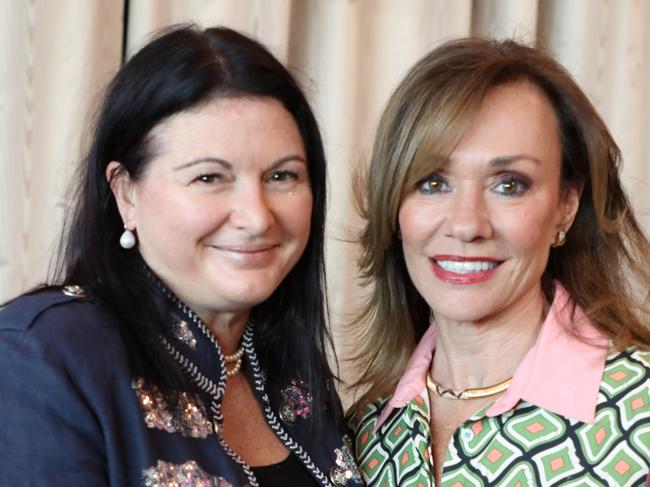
515,118
509,119
234,127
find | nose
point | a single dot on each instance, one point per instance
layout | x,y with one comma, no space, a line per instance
251,211
469,219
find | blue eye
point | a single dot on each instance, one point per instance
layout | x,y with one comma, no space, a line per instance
433,184
511,186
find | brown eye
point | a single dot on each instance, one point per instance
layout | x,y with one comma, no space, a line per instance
432,185
209,178
282,176
511,186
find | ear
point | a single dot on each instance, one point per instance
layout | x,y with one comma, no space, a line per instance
569,204
123,188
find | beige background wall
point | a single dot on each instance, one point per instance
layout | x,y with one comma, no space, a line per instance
56,56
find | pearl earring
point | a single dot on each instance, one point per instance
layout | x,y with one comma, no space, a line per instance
127,239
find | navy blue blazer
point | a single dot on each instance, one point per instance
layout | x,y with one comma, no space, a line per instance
72,413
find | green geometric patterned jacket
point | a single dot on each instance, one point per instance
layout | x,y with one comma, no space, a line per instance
565,420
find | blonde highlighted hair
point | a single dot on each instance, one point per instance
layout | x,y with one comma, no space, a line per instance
425,119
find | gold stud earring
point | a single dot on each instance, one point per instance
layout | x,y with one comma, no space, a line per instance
560,239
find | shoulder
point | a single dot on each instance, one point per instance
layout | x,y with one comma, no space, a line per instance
624,388
57,321
417,409
61,362
369,415
56,344
625,372
21,313
626,368
404,434
622,422
48,306
364,426
642,356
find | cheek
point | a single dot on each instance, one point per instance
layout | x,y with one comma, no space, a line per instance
417,222
297,217
166,219
529,232
305,212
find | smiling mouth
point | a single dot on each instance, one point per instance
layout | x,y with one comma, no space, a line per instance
245,249
467,266
249,256
464,270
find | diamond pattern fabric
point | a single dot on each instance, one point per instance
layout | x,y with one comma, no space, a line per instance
526,446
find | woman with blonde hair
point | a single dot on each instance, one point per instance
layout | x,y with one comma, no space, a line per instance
505,335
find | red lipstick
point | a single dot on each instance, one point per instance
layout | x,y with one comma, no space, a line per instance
464,278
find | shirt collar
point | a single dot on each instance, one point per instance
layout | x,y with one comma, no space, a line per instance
561,372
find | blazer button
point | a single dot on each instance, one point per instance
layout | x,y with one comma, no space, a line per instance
74,291
339,477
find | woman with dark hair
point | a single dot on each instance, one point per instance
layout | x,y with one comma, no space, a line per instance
183,341
499,239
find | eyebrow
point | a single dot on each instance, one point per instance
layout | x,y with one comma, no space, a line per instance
200,160
506,160
227,165
291,157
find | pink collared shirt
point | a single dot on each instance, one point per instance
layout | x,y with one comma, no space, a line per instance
561,372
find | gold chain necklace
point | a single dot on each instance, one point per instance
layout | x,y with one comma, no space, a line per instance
473,393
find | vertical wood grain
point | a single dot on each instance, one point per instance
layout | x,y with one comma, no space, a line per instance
608,52
56,58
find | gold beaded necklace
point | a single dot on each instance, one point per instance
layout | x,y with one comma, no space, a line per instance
235,360
463,394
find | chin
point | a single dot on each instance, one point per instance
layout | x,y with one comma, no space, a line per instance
454,313
249,298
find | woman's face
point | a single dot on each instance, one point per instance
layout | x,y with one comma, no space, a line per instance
476,233
222,211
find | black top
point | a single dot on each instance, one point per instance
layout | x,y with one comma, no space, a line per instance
288,472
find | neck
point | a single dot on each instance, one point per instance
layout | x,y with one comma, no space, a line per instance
488,351
228,328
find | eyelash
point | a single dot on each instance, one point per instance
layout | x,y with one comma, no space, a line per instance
208,178
276,176
424,186
520,184
282,176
